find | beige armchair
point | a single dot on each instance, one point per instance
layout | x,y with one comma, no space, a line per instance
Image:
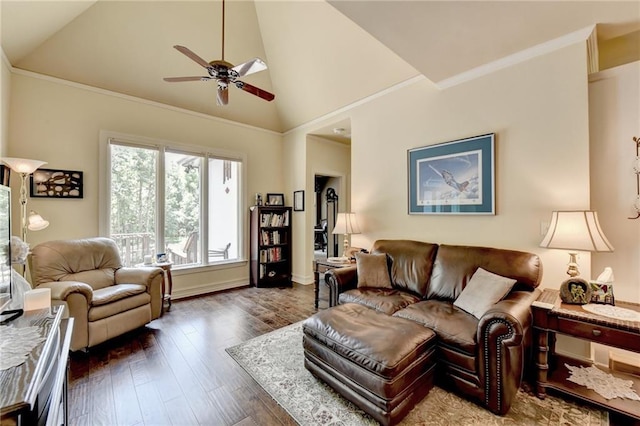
104,298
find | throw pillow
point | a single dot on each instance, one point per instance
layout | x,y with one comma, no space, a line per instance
483,290
373,270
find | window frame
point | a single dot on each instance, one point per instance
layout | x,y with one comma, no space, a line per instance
162,146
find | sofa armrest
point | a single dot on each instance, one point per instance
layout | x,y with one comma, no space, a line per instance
150,276
61,290
504,339
340,280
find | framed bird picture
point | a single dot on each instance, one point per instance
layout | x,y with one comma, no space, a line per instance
456,177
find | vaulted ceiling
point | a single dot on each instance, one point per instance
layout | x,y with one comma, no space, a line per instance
322,56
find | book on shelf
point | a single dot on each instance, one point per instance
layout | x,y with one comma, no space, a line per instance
270,237
274,220
273,254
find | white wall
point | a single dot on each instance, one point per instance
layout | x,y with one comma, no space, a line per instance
60,123
294,153
5,96
614,100
539,112
307,156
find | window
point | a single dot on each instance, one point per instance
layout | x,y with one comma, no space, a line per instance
171,200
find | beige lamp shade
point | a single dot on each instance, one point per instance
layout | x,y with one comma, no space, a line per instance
346,224
36,222
23,165
576,230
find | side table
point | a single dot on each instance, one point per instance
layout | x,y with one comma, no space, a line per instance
167,289
321,266
550,317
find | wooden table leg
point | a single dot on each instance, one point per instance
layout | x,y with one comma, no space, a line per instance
542,361
316,278
170,282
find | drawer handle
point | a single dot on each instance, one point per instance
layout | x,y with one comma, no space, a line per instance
597,332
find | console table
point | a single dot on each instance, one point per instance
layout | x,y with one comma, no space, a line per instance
551,316
321,266
35,392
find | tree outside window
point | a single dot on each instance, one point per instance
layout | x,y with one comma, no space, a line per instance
195,186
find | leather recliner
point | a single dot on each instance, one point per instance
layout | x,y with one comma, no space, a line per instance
104,298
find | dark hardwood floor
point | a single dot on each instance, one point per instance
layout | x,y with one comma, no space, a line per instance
176,371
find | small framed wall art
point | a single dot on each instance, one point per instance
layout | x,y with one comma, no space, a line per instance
275,199
298,201
456,177
51,183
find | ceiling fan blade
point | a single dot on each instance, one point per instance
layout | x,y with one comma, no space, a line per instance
255,90
222,98
252,66
185,51
178,79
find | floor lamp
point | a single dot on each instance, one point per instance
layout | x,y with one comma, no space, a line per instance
24,168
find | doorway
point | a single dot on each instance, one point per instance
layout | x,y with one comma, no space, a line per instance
326,206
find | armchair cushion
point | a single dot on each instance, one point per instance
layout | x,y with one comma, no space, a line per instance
373,270
60,261
116,292
484,290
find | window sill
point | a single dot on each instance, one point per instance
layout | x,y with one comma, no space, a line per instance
194,269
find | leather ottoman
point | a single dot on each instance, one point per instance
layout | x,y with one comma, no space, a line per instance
384,365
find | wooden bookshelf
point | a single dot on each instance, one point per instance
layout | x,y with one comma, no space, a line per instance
270,246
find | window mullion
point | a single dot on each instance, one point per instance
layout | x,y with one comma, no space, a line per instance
160,201
204,209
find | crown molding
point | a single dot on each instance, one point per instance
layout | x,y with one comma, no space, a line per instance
519,57
130,98
359,102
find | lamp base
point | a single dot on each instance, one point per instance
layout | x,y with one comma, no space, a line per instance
572,269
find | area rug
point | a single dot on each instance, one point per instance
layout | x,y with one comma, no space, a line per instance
276,361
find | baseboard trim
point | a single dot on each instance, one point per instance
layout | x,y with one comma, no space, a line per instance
208,288
302,279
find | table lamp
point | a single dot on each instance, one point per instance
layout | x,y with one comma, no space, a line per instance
346,224
574,231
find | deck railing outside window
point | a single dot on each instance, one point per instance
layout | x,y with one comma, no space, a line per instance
134,246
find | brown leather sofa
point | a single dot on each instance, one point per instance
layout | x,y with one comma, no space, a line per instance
104,298
482,359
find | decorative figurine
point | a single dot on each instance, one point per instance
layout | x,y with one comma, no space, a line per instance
575,291
258,199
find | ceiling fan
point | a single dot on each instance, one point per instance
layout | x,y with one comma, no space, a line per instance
225,73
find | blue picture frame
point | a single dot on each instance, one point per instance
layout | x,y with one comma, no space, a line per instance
456,177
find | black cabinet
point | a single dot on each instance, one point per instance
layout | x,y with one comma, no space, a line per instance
270,246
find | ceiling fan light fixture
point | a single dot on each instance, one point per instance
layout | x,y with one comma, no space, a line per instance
225,73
